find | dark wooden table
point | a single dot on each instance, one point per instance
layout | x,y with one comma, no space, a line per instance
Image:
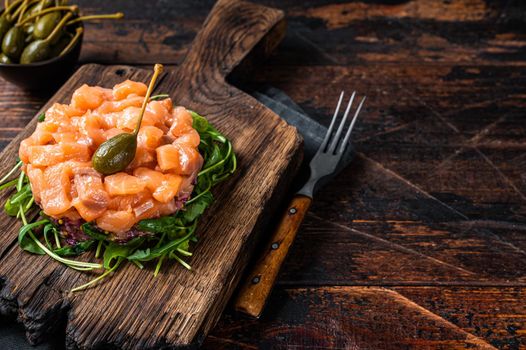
421,242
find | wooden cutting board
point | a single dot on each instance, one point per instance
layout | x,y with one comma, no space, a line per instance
134,310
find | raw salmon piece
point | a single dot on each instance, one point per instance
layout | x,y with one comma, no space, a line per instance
182,122
143,157
168,158
55,194
116,221
130,116
45,155
149,137
87,98
169,188
75,151
106,93
167,103
145,210
152,178
92,200
128,201
118,106
42,137
24,149
108,134
59,137
123,184
191,138
91,126
128,87
190,160
159,109
36,179
59,111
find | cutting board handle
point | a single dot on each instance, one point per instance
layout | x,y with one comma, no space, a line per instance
230,32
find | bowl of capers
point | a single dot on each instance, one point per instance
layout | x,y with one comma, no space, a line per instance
40,41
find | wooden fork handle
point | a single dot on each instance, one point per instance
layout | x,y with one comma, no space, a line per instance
256,288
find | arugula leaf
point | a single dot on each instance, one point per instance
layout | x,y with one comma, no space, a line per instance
76,249
92,231
165,224
41,117
26,242
199,123
195,209
150,254
115,250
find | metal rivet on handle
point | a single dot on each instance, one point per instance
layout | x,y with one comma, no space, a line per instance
256,280
293,211
275,246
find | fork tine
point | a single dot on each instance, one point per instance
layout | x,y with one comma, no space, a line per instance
336,138
329,131
348,134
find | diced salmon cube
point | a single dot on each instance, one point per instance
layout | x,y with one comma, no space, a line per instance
149,137
190,159
116,221
168,158
55,195
108,134
191,138
123,184
182,122
92,200
143,157
45,155
75,151
152,178
36,179
87,98
128,87
118,106
169,188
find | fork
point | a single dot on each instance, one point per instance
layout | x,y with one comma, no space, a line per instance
324,165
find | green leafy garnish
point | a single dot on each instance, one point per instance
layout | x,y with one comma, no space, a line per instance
167,237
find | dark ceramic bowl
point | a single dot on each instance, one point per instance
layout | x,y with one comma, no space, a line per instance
44,74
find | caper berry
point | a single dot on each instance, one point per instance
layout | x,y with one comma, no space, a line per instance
115,154
13,43
45,25
40,50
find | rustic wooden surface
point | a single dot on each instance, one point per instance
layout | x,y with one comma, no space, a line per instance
180,306
421,242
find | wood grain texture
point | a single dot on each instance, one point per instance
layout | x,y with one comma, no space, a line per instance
432,208
257,285
179,307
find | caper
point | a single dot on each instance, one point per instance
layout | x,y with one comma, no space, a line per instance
5,24
4,59
45,25
117,153
40,50
13,43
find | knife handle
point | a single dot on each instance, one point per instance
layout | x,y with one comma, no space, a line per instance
258,284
